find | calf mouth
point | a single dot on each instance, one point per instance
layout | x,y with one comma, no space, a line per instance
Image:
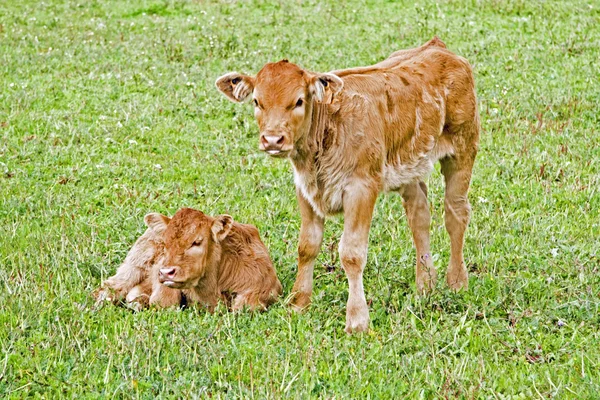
173,284
277,153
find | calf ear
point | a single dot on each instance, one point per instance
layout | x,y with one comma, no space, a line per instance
324,87
221,227
236,87
157,222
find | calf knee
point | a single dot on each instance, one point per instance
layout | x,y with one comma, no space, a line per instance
458,207
353,259
139,294
308,249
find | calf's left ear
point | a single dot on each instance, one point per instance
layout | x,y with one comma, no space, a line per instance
221,227
236,87
324,87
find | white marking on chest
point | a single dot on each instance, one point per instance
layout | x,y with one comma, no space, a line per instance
328,200
307,188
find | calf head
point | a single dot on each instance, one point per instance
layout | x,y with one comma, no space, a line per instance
283,95
192,242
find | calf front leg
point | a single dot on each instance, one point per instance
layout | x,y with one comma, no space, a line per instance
133,271
311,236
139,297
117,287
358,211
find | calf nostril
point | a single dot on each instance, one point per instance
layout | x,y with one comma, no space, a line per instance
280,140
168,272
264,140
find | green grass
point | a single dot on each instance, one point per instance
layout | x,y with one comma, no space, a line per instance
108,111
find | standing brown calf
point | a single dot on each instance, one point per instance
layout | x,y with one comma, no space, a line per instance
197,256
353,133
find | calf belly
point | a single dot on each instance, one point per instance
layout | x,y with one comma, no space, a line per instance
398,174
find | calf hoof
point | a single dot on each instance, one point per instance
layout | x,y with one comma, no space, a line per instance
300,302
426,281
137,299
102,295
457,279
357,320
135,306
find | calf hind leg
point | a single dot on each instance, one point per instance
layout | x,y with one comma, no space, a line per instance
414,199
457,174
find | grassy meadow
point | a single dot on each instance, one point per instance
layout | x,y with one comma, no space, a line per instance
108,111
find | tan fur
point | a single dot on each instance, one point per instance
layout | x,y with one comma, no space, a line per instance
134,272
364,130
214,258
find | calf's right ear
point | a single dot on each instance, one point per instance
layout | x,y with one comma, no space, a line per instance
221,227
157,222
236,87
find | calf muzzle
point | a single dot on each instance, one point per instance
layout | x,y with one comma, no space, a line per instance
272,144
166,276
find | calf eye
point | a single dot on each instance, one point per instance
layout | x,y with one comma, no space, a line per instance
256,103
299,103
236,80
197,242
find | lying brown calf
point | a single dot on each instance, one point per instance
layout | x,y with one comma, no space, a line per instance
198,258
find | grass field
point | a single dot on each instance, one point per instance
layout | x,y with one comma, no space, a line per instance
108,111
